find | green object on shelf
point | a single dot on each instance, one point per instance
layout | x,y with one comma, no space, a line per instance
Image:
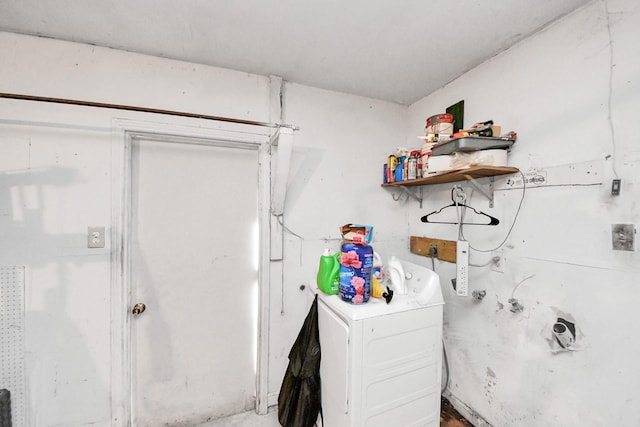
457,110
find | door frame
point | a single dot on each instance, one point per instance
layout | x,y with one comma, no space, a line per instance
124,132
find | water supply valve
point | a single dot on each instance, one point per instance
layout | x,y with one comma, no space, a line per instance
479,295
516,307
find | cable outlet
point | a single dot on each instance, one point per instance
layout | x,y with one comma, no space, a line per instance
498,261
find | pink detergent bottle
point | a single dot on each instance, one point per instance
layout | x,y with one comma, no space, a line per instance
356,262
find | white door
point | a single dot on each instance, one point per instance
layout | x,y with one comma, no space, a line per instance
194,266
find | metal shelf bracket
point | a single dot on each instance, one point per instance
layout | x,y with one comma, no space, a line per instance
487,194
411,194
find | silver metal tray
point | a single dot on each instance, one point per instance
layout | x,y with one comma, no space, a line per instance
471,143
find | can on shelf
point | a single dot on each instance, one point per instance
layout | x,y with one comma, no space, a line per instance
392,162
412,168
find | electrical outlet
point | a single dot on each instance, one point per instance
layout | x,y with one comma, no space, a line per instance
623,237
462,268
95,237
498,265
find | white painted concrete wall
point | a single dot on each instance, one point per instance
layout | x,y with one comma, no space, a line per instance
56,181
557,89
572,92
335,179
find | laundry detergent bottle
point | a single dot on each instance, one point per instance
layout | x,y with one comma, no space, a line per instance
328,273
356,262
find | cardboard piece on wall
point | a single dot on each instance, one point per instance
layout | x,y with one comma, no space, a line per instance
422,245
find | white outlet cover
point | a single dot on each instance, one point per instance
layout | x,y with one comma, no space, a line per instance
95,237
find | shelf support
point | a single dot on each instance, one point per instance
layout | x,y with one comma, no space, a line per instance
409,193
487,194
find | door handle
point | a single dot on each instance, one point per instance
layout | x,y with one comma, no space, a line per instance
138,309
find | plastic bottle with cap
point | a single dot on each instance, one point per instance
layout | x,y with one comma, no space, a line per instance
377,270
328,278
356,262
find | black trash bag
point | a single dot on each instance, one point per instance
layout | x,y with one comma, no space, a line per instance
299,401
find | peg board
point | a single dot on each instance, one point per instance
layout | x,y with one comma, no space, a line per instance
446,248
12,340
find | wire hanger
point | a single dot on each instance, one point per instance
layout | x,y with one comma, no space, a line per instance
458,202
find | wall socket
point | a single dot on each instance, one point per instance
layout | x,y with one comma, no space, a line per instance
498,266
95,237
623,237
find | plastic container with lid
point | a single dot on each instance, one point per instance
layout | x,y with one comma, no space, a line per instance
356,262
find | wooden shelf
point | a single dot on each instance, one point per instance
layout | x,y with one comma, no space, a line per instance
474,172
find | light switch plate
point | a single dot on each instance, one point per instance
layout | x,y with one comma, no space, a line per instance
95,237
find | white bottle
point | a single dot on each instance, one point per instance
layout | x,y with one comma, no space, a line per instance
425,153
396,275
377,270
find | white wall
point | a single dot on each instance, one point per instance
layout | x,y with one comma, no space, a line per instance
57,180
557,90
572,93
335,179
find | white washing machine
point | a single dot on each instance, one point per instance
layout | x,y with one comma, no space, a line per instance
381,363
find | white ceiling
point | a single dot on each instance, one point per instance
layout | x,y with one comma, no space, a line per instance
396,50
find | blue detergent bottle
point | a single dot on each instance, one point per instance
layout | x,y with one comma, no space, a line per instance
356,262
